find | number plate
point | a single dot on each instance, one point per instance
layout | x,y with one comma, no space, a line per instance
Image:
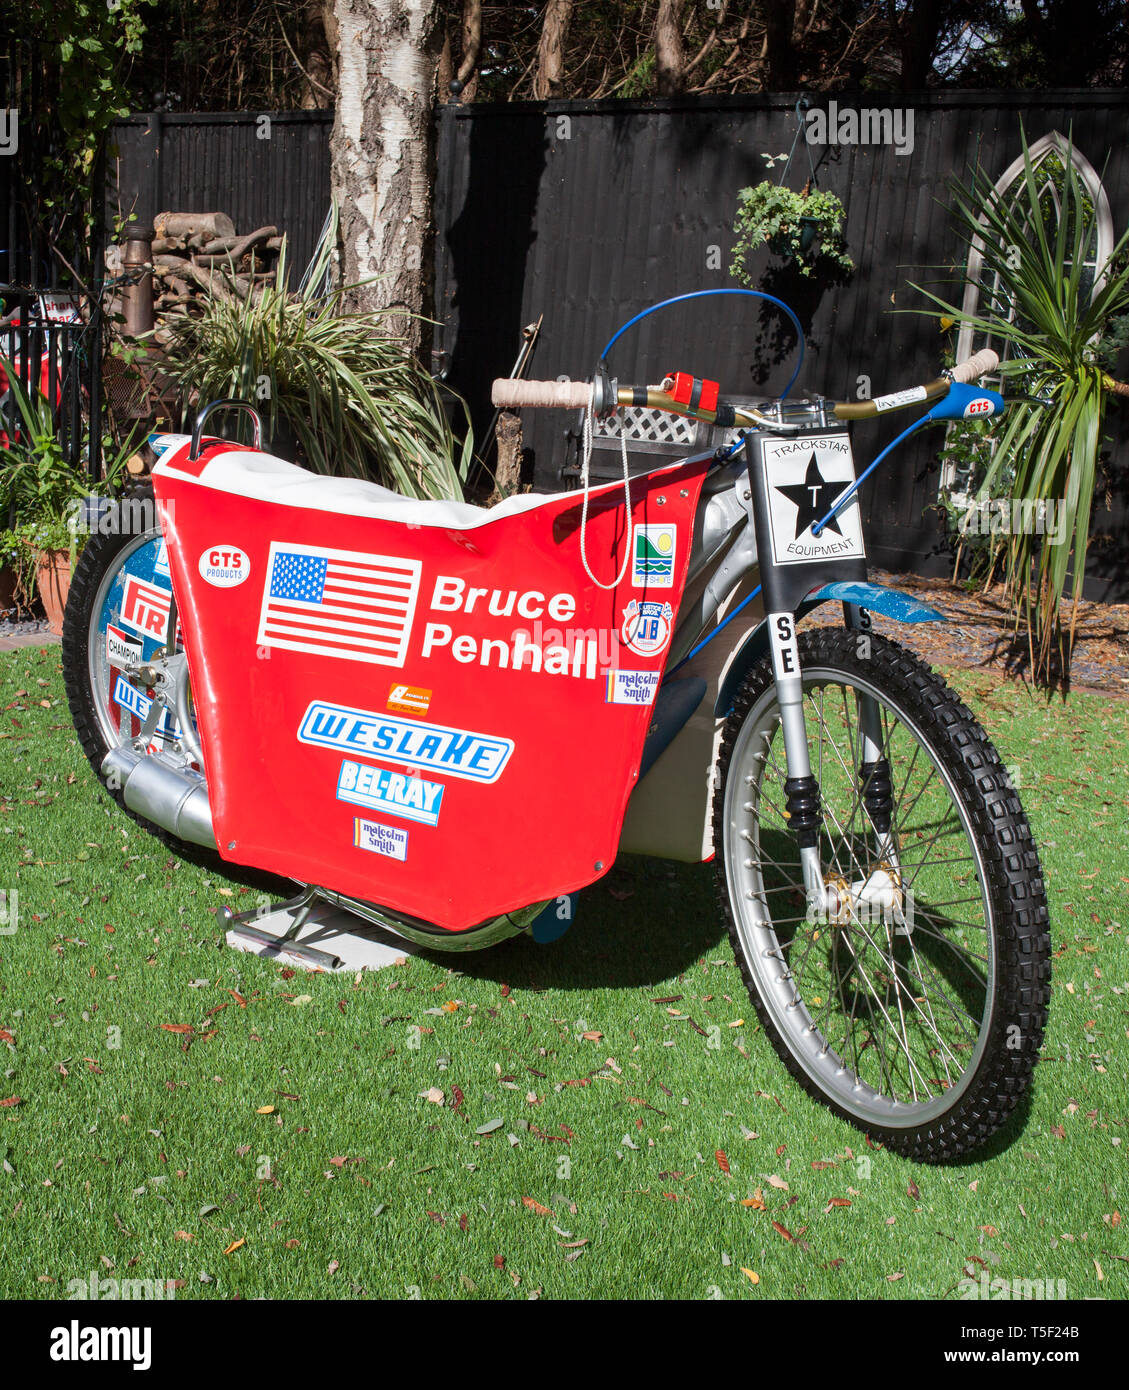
803,479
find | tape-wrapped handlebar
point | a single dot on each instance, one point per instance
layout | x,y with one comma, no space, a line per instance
513,394
983,362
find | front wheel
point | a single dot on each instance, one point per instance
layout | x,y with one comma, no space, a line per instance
912,998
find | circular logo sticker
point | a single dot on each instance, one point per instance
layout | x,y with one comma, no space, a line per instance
224,566
646,626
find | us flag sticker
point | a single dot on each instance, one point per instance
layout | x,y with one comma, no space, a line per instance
343,603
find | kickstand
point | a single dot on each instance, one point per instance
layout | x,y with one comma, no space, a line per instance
240,924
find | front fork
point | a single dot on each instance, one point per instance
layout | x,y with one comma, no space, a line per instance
802,794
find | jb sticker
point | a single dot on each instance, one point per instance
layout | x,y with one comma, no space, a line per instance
646,626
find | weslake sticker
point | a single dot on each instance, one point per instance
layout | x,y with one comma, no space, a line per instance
388,840
647,626
411,743
631,687
381,789
652,556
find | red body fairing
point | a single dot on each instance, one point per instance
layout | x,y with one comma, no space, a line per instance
424,705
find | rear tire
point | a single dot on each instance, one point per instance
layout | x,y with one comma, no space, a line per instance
853,1006
125,540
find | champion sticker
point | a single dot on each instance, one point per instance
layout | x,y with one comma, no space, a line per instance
121,652
631,687
647,626
388,840
652,556
804,479
381,789
224,566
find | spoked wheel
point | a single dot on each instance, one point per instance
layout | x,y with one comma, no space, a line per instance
116,620
912,998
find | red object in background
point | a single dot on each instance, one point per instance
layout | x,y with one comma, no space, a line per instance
445,719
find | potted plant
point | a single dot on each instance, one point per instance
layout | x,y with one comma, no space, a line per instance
42,495
790,224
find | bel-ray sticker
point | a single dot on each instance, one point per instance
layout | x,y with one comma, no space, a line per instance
804,479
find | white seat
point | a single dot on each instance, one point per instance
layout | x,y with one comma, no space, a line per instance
249,473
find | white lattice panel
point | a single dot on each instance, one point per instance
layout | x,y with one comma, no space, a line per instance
649,426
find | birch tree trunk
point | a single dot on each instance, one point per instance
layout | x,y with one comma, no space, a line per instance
382,154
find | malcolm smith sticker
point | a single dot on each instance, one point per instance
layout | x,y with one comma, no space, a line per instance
804,479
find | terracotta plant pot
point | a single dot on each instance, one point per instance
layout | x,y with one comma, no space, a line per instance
7,587
53,580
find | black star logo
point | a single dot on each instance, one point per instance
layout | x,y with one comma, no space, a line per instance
812,498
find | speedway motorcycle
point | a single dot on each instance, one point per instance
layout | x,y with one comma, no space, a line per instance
448,720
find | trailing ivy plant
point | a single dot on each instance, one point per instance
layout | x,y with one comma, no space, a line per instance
791,224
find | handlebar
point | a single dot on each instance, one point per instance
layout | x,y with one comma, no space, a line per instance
510,394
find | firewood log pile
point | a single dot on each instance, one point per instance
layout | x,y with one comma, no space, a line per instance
196,255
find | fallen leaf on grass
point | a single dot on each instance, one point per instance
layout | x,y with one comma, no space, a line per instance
756,1201
235,1244
182,1235
536,1207
722,1161
836,1202
913,1190
783,1230
751,1274
893,1278
178,1027
265,1110
777,1182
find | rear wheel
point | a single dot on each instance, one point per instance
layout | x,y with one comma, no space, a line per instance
116,620
913,999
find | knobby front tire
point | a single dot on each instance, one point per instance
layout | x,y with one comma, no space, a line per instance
919,1019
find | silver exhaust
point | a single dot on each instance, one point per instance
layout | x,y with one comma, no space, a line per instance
162,791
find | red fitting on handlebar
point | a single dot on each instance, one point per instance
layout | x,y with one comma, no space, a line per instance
692,392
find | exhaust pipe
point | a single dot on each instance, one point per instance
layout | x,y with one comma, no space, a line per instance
161,791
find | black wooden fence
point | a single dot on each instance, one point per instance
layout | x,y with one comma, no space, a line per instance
589,211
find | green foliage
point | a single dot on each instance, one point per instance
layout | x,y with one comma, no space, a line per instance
81,58
780,217
1038,306
40,493
968,452
351,399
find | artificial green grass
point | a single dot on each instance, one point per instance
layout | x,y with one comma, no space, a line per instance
136,1152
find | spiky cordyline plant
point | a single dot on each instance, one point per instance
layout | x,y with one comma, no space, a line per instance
1035,301
352,398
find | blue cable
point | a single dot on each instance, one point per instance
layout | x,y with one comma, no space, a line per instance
701,294
842,500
